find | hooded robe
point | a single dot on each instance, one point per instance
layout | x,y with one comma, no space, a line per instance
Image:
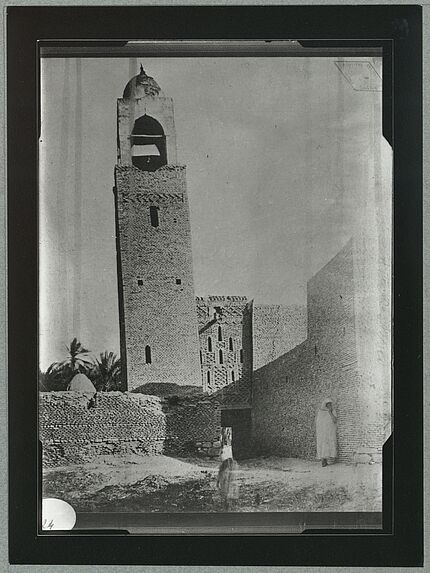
326,432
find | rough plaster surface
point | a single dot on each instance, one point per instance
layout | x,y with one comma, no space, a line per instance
276,329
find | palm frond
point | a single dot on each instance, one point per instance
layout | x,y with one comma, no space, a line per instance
108,369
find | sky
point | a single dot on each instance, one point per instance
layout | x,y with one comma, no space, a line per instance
279,152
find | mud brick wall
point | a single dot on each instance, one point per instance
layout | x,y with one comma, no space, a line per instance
287,392
73,429
225,347
157,302
193,425
276,330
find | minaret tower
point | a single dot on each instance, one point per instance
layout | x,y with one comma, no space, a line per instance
158,317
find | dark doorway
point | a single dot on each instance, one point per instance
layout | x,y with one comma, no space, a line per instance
239,420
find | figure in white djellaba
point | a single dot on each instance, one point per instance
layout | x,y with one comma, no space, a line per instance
227,483
326,421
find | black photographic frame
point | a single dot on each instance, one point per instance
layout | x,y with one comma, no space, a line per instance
398,30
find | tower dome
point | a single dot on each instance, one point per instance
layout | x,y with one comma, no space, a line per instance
140,86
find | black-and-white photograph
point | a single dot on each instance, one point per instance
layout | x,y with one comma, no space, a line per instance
215,285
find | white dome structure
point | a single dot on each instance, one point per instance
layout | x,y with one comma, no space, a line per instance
81,383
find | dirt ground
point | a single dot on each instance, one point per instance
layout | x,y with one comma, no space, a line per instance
163,484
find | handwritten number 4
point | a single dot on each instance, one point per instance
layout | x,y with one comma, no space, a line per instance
50,525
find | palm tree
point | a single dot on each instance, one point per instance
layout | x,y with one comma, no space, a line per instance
78,359
59,374
107,372
53,379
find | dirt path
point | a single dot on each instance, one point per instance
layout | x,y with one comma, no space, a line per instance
164,484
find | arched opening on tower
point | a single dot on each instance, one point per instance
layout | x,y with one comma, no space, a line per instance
148,144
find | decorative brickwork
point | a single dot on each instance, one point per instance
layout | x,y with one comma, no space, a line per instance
288,391
74,428
225,347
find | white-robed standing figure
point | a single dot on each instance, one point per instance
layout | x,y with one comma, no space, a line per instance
227,473
326,432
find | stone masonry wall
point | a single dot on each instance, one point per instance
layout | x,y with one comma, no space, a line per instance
156,277
75,429
288,391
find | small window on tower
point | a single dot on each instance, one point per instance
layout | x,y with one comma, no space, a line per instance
232,375
209,344
140,282
208,375
241,355
148,358
230,343
178,281
219,333
221,357
153,213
